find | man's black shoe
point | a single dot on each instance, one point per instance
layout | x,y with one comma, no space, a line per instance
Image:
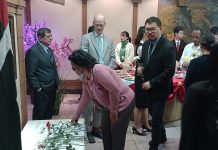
90,138
97,134
162,141
153,148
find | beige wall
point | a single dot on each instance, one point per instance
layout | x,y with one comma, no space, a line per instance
146,9
66,21
118,14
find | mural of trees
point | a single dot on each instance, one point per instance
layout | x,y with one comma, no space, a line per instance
188,14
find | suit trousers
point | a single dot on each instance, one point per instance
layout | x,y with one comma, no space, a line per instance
44,104
114,136
158,131
87,114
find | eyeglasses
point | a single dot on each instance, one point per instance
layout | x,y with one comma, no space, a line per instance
150,30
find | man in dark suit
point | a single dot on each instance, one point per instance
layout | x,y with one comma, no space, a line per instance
42,75
178,42
159,57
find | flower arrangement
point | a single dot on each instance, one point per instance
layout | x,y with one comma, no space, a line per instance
61,135
60,51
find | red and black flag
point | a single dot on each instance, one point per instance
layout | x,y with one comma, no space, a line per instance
10,131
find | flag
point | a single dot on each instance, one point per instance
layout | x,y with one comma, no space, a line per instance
10,131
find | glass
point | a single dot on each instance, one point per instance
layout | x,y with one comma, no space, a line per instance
150,30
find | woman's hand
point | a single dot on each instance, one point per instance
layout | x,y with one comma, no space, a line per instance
113,117
74,119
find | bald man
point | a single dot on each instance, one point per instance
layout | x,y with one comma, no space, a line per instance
101,48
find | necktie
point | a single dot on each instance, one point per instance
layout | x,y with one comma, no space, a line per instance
150,48
50,55
100,50
177,46
150,51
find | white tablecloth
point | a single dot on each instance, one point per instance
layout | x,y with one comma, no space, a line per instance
31,133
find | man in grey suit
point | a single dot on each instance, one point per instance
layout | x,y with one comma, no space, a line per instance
42,75
100,47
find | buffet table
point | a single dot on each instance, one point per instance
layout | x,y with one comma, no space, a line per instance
53,134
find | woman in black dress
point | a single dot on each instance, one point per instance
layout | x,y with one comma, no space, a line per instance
141,109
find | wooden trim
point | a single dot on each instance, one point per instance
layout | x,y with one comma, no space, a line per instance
158,8
28,12
135,21
84,16
71,84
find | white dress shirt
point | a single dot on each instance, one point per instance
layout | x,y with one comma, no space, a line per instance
190,51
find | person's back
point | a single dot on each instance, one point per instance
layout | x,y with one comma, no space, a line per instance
200,111
198,69
199,116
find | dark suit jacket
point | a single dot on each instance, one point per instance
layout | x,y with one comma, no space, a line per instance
181,48
198,70
40,70
159,69
198,126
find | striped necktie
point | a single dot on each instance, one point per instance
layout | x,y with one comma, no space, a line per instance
150,50
177,46
100,50
49,54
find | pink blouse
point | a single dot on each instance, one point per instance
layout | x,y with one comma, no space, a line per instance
106,89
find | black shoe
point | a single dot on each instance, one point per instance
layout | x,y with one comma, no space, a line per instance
163,140
146,129
90,138
135,131
152,146
97,134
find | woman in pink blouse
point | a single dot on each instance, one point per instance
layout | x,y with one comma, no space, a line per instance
102,85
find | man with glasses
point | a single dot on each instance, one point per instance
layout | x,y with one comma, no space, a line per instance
42,75
159,57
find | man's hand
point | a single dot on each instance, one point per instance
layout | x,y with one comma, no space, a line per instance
121,66
146,85
113,118
140,70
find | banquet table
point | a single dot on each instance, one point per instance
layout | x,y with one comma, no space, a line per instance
174,103
32,134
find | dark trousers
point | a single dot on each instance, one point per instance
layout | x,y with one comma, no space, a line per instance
114,136
44,104
158,131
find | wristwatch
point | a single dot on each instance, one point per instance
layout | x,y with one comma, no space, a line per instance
39,89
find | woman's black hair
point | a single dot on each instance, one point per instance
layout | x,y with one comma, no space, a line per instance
139,35
82,58
127,35
207,40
